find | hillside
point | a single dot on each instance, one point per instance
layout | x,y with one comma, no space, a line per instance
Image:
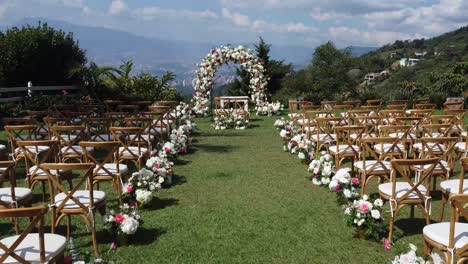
441,54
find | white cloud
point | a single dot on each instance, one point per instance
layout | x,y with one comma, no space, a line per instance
354,36
117,7
258,25
319,15
150,13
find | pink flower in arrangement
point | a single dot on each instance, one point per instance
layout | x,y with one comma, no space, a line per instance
387,244
213,51
355,181
364,208
113,245
129,189
168,171
119,218
182,150
132,204
157,165
166,149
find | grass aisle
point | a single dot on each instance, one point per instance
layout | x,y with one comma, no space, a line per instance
240,199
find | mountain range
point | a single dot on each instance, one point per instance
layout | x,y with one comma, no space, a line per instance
110,47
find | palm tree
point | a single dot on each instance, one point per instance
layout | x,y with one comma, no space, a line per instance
122,80
94,78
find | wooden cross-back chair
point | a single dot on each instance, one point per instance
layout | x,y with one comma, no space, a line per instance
20,133
29,247
405,133
146,123
450,237
458,120
132,109
33,163
117,118
389,116
81,200
324,135
371,124
462,146
399,102
346,147
69,138
38,116
424,106
354,103
377,165
111,105
307,122
396,107
98,128
133,147
107,163
457,105
328,105
77,118
450,187
374,102
422,100
56,121
143,105
341,110
160,127
373,108
296,108
12,196
412,189
442,148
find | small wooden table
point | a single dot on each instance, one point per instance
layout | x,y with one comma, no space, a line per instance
237,100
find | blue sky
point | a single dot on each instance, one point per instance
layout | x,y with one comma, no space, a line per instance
282,22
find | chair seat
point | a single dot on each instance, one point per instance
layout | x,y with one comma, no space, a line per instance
433,146
370,135
370,163
303,121
323,137
40,172
400,134
383,148
102,138
112,168
146,137
82,196
400,189
341,149
463,133
156,130
310,128
131,152
65,138
442,165
2,147
294,115
452,186
461,146
440,233
32,149
74,150
28,249
20,194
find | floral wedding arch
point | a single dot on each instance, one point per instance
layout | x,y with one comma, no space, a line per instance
203,81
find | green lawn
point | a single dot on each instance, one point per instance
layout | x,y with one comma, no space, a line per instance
239,198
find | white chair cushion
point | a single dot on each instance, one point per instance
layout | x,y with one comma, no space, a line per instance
400,189
439,233
323,137
344,148
82,196
294,115
383,148
400,134
370,135
461,146
438,166
74,150
2,147
463,133
29,247
134,151
102,138
310,128
20,194
65,138
452,186
33,149
303,121
112,168
146,137
370,163
158,129
40,172
433,146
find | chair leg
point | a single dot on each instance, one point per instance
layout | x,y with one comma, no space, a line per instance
442,206
68,225
412,211
390,228
427,248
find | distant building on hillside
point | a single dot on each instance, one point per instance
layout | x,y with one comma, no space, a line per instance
408,62
420,54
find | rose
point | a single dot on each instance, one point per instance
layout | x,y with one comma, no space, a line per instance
129,189
363,207
119,218
355,181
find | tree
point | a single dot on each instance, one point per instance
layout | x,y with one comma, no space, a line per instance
150,87
275,71
94,79
41,54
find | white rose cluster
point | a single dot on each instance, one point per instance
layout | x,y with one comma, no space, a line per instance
203,81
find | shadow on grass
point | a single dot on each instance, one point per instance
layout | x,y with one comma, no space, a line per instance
409,227
180,162
223,133
215,148
161,203
255,119
143,236
178,180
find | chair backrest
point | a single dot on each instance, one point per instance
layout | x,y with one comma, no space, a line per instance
396,107
389,116
400,102
19,133
35,214
69,137
374,102
425,106
109,154
116,118
458,205
30,150
422,100
7,171
440,147
130,137
343,137
98,128
390,146
407,169
84,182
371,123
454,105
435,130
328,105
133,109
354,103
18,121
